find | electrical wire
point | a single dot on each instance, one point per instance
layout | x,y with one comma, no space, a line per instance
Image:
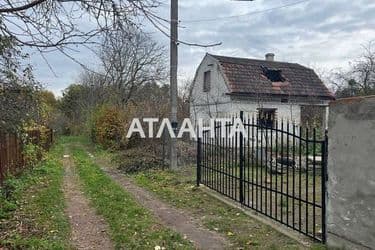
246,14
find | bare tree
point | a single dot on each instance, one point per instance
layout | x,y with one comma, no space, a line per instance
18,102
57,23
50,25
360,78
64,25
130,60
97,92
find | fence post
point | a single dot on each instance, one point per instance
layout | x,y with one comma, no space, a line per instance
242,159
324,184
199,158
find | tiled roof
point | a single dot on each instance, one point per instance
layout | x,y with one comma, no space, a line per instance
246,76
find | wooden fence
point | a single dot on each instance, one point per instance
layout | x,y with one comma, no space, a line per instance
12,160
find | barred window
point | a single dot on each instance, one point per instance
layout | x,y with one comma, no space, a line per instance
266,117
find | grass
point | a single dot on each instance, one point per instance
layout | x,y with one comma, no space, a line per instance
131,226
258,196
32,208
178,188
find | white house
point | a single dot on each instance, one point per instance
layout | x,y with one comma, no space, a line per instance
267,89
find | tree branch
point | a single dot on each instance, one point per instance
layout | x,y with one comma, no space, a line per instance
23,7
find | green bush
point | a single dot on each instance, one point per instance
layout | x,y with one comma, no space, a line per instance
7,200
33,154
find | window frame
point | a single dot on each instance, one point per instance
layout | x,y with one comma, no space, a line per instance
207,81
267,123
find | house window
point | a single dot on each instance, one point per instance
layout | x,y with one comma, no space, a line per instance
266,118
207,81
284,100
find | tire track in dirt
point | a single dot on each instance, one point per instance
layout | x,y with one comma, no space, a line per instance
89,231
173,218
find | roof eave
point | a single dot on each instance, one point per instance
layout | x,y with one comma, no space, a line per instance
251,94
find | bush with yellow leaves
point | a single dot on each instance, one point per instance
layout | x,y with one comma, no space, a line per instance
107,126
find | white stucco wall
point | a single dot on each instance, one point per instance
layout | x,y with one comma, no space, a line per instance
286,111
205,104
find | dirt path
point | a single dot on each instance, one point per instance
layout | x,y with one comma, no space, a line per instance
173,218
89,231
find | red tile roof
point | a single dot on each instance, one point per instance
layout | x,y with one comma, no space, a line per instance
246,76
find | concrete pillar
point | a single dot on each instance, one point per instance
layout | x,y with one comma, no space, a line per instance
351,174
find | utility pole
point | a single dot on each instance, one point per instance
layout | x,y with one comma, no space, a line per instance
173,80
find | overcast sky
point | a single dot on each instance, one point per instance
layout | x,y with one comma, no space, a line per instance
323,34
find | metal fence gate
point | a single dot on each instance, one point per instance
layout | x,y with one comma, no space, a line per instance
278,170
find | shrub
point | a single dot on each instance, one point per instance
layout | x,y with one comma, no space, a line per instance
7,197
37,134
109,124
33,153
7,206
107,127
136,160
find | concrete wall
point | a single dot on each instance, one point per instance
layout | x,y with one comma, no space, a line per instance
351,174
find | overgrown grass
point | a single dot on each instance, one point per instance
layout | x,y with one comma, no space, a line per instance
32,207
131,226
178,188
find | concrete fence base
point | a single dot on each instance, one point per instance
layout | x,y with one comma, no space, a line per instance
351,174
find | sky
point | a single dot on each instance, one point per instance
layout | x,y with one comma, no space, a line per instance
322,34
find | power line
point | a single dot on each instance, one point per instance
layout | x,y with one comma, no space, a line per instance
246,14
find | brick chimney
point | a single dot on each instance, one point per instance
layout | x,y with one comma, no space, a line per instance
270,57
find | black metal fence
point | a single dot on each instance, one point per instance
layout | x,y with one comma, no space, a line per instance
278,170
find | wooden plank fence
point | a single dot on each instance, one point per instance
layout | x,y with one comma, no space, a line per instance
12,161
